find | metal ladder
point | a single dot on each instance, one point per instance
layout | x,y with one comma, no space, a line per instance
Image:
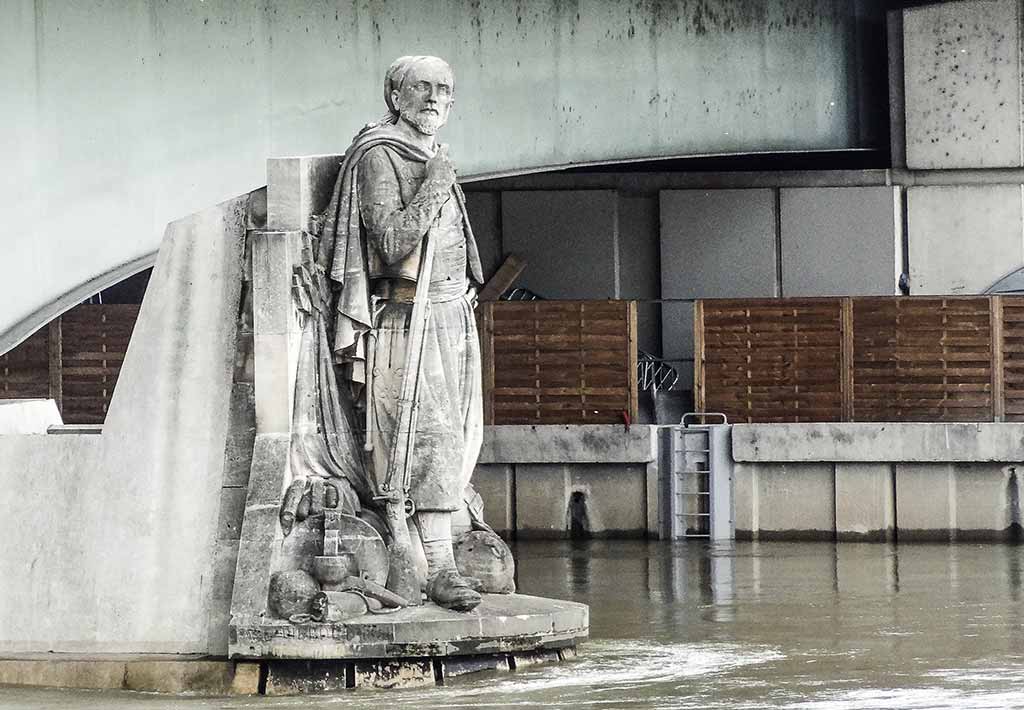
691,479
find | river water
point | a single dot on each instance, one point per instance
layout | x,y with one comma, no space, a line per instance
806,626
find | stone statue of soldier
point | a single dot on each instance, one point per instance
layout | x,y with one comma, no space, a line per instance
395,187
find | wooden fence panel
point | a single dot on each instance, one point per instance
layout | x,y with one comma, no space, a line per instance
24,370
95,339
770,360
1012,356
956,358
922,359
559,362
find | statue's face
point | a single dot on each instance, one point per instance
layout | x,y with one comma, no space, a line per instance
426,96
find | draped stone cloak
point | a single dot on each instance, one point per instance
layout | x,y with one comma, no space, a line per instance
327,437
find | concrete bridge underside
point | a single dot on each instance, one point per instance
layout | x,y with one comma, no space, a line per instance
123,117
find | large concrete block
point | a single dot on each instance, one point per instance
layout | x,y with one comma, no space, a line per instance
639,263
963,238
677,334
496,485
790,501
718,243
865,501
542,500
714,244
926,501
962,84
63,673
113,539
569,239
28,416
241,435
957,501
276,329
987,501
567,443
840,241
484,210
881,443
298,187
613,497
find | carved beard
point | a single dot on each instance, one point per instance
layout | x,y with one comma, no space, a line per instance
425,123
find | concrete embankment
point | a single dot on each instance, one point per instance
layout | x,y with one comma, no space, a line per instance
863,481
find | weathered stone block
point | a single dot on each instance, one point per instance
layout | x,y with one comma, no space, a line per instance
455,667
295,677
241,435
535,658
232,509
738,262
987,500
791,501
193,676
856,226
496,485
57,673
882,442
962,80
246,680
542,499
925,494
409,673
865,501
562,443
963,238
957,501
606,499
298,187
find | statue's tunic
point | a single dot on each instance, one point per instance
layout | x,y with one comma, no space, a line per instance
449,426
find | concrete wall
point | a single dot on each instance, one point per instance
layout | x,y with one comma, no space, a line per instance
126,541
964,238
962,79
714,244
122,117
569,240
780,241
527,476
840,241
964,117
878,481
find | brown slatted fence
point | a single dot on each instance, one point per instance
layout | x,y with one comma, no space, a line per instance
75,360
862,359
1010,326
559,362
922,359
771,360
95,339
24,371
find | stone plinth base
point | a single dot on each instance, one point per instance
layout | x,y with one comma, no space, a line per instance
502,624
285,677
141,672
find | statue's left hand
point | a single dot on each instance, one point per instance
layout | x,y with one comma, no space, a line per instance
306,497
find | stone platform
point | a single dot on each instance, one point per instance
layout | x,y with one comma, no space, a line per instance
503,623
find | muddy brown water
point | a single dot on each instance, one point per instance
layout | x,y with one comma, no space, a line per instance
805,626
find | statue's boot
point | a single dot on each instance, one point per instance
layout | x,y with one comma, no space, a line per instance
450,590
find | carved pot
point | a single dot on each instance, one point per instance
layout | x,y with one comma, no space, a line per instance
331,570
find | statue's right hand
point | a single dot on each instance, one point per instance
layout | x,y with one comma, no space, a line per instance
306,497
440,170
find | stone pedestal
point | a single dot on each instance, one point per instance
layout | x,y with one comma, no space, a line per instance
503,623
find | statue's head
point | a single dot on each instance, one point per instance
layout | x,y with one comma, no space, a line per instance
420,91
